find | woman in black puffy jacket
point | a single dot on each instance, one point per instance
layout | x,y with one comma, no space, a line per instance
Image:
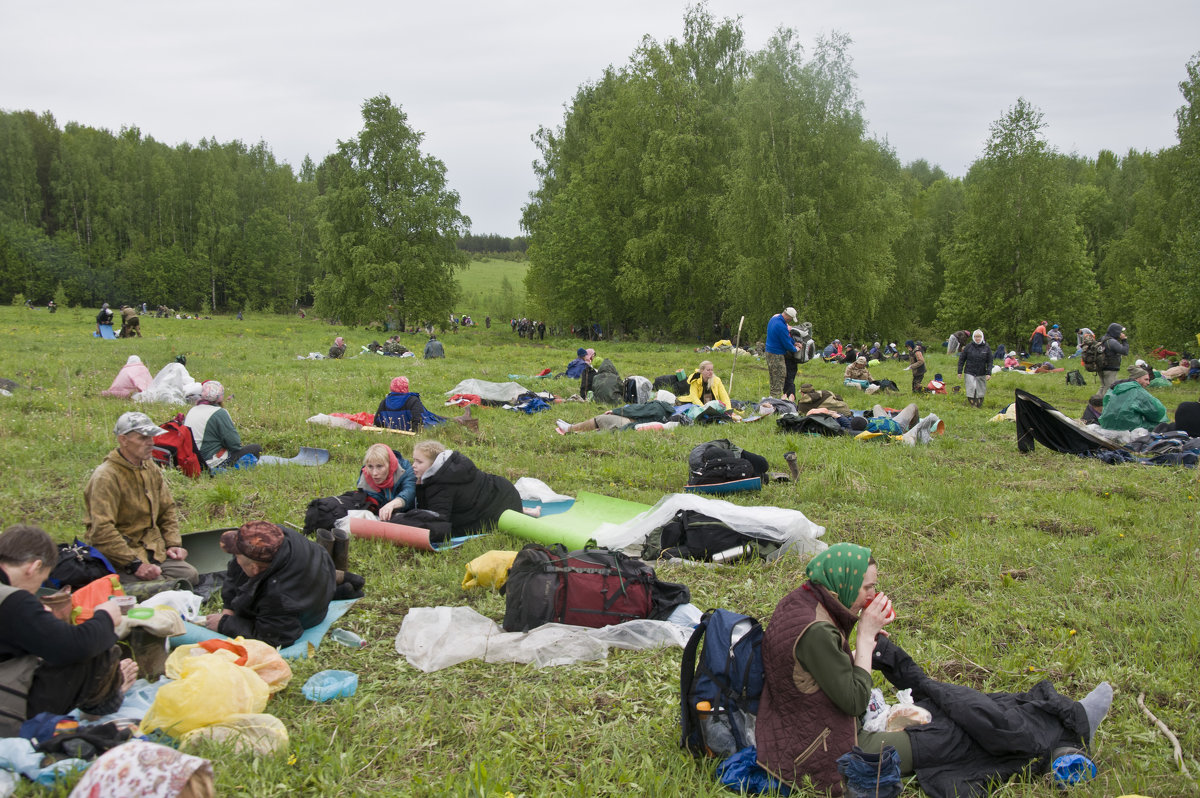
464,499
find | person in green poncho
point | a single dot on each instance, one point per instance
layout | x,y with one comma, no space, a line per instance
817,689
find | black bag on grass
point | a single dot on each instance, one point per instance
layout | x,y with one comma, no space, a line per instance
78,566
692,536
1075,378
323,513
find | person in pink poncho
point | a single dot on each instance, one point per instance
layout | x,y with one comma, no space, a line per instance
133,378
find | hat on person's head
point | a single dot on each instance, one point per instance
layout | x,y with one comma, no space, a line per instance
136,422
938,377
133,360
1142,363
860,359
1137,372
338,341
858,423
1053,326
790,313
104,306
807,388
258,540
399,385
909,343
580,352
588,354
212,392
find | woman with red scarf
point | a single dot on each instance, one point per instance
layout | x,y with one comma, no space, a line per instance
388,481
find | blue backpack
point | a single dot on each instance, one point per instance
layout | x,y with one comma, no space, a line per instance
719,697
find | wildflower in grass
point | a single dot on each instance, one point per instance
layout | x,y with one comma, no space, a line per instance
1072,632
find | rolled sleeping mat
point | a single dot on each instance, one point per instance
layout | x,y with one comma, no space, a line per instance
414,537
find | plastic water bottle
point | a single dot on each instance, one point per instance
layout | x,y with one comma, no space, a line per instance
718,736
346,638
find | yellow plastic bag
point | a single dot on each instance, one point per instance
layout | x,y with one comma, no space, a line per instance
263,659
489,569
209,690
260,734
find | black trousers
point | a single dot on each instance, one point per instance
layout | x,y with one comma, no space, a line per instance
93,685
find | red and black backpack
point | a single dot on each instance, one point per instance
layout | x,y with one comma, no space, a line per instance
175,448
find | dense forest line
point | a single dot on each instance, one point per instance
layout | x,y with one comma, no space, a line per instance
697,183
701,182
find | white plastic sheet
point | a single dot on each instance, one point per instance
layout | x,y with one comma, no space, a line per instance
506,392
433,638
337,422
172,385
535,490
789,528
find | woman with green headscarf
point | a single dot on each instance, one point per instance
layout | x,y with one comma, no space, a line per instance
816,689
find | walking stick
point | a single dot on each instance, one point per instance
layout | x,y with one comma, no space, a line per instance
737,340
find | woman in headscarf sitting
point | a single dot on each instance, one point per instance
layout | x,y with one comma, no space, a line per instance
338,349
706,387
212,428
817,689
581,363
133,378
403,410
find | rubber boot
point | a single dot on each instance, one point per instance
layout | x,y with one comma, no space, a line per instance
341,549
149,652
790,457
325,540
466,420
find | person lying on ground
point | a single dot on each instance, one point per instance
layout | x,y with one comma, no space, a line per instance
454,497
133,378
278,584
1129,406
705,386
48,665
817,688
618,417
403,410
1178,371
388,481
857,370
129,511
212,428
338,349
809,398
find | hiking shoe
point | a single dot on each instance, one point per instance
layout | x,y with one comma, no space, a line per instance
561,427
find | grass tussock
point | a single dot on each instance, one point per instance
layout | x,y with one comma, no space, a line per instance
1005,568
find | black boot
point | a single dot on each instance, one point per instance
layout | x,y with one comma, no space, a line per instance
341,549
325,541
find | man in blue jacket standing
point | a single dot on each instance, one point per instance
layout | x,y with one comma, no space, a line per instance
781,363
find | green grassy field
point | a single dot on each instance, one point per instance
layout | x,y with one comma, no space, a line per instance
1005,568
483,285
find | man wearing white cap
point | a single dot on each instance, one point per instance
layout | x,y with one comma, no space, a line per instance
781,365
130,514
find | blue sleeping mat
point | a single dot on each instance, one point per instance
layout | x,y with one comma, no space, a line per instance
752,483
297,650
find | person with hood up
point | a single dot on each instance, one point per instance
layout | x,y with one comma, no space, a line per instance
975,367
403,410
1115,347
212,428
338,349
706,387
781,350
1054,351
604,384
453,496
1129,406
278,584
817,688
133,378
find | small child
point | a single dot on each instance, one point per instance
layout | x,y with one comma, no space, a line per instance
936,385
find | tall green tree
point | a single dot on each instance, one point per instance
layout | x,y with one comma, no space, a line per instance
1018,254
389,225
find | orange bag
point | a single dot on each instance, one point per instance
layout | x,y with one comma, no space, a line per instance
85,600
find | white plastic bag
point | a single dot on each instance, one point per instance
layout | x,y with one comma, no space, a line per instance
185,601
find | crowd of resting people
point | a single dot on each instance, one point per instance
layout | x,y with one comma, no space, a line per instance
279,582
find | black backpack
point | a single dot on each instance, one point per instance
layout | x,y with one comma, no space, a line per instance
693,536
719,465
78,566
1075,378
323,513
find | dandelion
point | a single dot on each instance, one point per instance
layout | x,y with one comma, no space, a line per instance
292,759
1072,632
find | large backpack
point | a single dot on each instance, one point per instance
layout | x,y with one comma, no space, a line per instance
323,513
592,587
719,465
175,448
1093,352
718,696
78,565
635,390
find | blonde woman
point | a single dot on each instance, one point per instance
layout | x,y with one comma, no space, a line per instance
706,387
461,498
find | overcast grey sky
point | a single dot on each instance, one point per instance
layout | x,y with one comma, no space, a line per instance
478,78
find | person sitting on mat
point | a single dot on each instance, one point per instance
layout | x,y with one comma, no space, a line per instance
817,689
212,428
278,584
403,410
453,496
388,481
706,387
48,665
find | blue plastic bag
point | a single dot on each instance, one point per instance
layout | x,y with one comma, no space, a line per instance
328,685
742,773
1073,769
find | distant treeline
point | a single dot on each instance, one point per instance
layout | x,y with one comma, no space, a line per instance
702,182
492,243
